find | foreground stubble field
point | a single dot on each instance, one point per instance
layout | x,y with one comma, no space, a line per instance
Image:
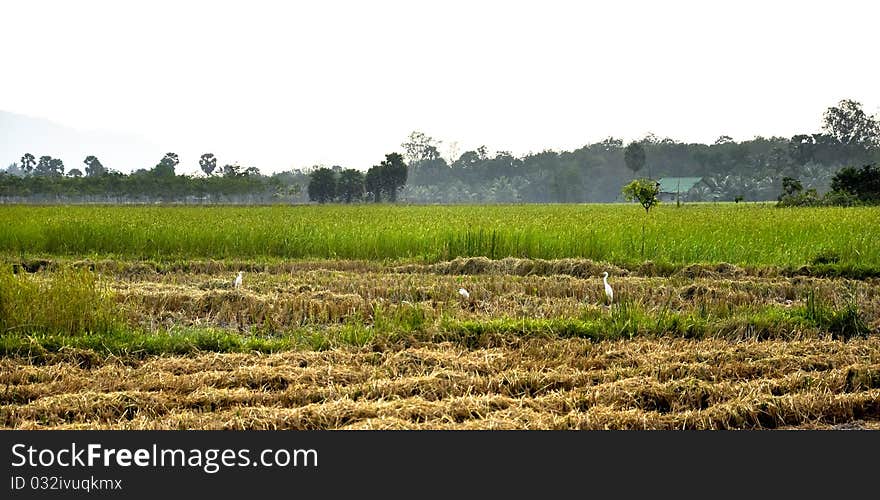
345,344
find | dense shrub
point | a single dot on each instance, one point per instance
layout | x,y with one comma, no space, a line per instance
863,183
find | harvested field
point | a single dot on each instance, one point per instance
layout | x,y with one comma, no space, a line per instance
534,384
337,345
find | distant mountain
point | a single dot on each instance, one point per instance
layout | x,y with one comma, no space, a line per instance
21,134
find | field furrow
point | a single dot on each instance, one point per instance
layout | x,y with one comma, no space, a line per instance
564,383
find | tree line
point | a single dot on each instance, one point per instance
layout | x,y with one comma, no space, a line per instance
849,186
748,170
751,170
381,182
45,180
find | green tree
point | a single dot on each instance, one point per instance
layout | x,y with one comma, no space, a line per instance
48,166
56,166
28,162
208,162
322,185
855,133
634,156
863,183
75,172
793,195
42,167
423,159
165,167
419,147
233,170
392,175
373,183
351,185
790,187
644,191
850,125
94,168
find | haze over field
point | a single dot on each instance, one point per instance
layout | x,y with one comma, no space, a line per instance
342,83
26,134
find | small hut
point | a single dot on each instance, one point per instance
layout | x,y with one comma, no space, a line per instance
677,188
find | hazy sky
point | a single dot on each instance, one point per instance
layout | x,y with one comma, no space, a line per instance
293,84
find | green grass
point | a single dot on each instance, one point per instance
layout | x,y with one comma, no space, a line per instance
49,314
844,322
70,302
629,321
134,343
625,322
742,234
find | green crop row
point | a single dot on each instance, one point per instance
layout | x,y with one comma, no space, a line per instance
742,234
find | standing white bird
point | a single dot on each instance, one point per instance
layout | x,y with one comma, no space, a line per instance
237,283
464,293
608,291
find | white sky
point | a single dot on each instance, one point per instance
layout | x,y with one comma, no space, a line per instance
293,84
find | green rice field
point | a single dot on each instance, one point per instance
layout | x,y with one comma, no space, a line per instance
740,234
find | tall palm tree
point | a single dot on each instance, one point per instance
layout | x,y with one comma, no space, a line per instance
27,162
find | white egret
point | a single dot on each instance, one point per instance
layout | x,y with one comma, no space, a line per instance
237,282
608,291
464,293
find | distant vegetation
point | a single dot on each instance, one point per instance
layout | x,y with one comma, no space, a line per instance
228,184
849,186
751,170
382,182
746,171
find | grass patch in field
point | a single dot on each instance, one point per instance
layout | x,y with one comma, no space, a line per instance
139,344
626,321
407,317
69,302
358,335
845,322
